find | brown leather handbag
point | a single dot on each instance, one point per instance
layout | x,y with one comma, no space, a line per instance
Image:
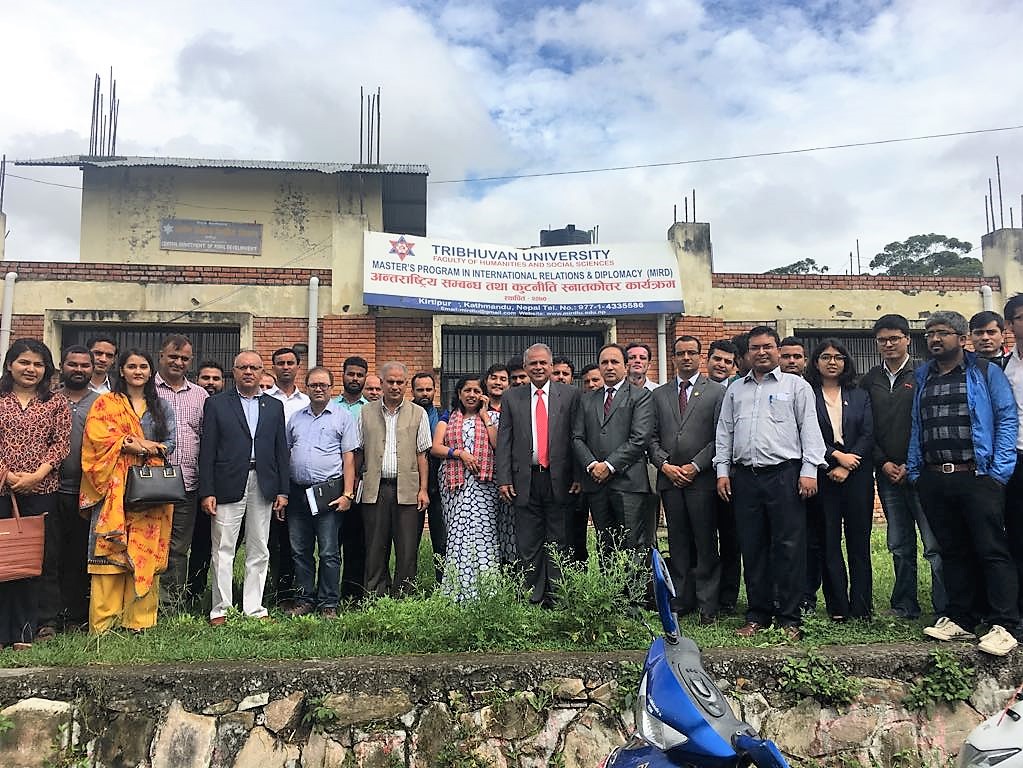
21,543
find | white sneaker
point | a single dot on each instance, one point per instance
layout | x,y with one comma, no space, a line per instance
997,642
945,629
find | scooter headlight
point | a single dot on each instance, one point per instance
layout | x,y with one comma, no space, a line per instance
662,736
971,757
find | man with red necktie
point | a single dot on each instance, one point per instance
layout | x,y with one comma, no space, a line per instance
534,470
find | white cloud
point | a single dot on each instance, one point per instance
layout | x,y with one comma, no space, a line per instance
478,88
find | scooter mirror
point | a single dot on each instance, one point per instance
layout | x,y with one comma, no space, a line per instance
664,591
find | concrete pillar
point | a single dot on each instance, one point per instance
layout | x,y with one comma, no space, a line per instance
691,241
1002,253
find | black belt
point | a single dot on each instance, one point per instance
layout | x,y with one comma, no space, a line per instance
539,468
388,481
949,467
770,469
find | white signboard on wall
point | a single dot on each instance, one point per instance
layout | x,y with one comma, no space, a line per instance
557,281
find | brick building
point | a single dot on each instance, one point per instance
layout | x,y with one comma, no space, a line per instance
292,260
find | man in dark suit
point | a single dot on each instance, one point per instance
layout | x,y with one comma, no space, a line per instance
610,434
682,449
243,474
534,469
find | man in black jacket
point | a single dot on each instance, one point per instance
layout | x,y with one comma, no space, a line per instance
891,386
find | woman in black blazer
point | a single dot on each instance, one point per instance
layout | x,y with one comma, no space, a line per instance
845,498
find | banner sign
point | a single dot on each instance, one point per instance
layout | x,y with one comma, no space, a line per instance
556,281
211,236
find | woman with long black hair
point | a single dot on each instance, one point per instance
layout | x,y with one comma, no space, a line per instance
35,434
845,497
127,548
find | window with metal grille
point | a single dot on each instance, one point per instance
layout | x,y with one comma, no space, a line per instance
465,351
220,343
861,345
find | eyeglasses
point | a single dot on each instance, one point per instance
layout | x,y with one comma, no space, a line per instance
939,334
317,385
884,341
832,358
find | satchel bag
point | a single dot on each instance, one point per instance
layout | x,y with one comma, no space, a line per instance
148,486
21,543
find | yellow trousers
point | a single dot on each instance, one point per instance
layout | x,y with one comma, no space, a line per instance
113,601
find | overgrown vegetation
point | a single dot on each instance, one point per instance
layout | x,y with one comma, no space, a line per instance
820,677
945,681
319,715
592,612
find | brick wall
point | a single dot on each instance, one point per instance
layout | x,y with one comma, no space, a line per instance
26,326
852,282
162,273
643,330
408,340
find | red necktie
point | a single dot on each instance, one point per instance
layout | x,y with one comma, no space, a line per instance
682,399
607,402
541,431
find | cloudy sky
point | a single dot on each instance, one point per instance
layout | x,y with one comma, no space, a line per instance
484,88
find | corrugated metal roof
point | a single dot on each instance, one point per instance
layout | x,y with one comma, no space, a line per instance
191,162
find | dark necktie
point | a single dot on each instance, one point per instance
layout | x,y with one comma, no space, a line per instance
683,401
607,402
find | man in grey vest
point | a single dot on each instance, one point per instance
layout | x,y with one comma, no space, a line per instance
395,439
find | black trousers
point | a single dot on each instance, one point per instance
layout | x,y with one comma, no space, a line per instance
1014,522
621,518
434,514
199,556
19,600
281,584
540,523
692,527
389,523
846,508
728,551
771,519
353,554
966,513
577,524
64,584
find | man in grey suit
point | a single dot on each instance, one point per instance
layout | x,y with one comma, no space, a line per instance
682,449
610,435
534,470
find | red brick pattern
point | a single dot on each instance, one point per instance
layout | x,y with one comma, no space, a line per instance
408,340
852,282
164,273
27,327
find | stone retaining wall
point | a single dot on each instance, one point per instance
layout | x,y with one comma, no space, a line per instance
461,711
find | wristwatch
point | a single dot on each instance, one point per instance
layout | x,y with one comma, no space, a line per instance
350,496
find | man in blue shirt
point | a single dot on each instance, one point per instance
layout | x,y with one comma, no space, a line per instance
322,438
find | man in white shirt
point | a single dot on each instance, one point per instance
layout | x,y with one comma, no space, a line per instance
1014,490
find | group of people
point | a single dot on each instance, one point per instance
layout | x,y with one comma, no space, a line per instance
764,464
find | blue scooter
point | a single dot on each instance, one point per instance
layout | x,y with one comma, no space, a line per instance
681,717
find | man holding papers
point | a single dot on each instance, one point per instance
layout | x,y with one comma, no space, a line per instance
322,437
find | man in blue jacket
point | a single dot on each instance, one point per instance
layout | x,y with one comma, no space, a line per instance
962,452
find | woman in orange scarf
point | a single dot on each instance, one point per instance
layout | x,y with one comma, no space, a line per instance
127,549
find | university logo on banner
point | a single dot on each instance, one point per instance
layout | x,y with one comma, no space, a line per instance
556,281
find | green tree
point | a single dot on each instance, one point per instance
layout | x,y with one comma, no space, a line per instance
928,255
801,267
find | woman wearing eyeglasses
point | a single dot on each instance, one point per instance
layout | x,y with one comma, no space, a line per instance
845,498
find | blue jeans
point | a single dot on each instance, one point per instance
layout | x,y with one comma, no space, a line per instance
305,531
902,509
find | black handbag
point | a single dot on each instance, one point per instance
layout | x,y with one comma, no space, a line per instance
149,486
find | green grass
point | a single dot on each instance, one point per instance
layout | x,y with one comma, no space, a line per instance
590,616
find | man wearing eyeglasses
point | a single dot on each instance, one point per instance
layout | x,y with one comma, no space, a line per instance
322,438
891,386
962,452
243,474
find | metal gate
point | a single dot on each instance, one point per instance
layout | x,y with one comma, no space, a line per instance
220,343
465,351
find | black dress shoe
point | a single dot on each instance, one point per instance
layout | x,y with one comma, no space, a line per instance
707,619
